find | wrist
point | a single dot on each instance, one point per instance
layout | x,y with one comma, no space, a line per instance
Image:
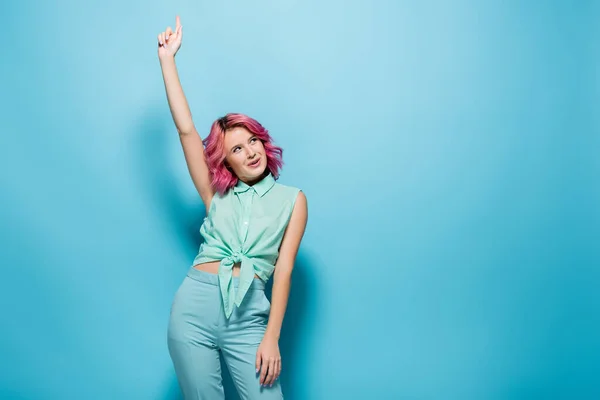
271,336
167,58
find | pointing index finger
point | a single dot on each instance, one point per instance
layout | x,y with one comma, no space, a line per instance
177,23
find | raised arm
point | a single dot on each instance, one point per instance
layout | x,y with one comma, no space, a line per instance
169,43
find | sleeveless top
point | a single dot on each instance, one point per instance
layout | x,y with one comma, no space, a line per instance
245,225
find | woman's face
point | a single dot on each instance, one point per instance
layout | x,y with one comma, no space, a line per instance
245,154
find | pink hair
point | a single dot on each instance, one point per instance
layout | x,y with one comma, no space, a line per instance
222,178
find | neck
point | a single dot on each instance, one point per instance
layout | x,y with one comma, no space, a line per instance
257,179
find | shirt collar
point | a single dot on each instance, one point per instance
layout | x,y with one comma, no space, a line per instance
261,187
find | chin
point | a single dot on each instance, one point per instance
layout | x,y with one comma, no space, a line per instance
260,172
253,173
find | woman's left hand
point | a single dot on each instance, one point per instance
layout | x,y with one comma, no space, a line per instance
269,358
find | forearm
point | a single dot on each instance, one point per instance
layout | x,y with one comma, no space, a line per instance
175,96
279,298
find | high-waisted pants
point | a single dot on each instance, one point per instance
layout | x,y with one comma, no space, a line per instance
198,331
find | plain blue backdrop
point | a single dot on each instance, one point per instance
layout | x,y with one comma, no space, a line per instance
448,151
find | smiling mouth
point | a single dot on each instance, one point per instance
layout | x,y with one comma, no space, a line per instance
254,163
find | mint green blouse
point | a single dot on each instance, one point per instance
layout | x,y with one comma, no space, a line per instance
246,225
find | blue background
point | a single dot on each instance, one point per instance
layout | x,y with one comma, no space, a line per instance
448,151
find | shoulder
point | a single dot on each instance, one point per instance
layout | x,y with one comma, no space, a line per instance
301,204
296,201
219,198
292,193
222,196
298,214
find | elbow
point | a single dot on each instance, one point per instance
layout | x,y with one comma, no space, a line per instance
282,274
185,128
185,131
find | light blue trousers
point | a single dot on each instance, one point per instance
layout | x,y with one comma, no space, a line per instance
198,331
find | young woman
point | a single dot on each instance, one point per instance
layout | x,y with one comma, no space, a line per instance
252,231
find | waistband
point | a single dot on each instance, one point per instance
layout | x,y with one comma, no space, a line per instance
213,279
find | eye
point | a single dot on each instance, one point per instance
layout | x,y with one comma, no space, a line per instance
236,149
254,139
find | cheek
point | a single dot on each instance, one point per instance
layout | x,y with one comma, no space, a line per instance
235,162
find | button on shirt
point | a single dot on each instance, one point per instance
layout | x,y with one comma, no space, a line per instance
246,225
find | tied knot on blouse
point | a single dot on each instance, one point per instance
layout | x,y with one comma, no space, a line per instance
228,289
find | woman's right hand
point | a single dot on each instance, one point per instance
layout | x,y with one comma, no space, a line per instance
169,42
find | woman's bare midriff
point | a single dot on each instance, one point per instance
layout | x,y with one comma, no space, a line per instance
213,268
